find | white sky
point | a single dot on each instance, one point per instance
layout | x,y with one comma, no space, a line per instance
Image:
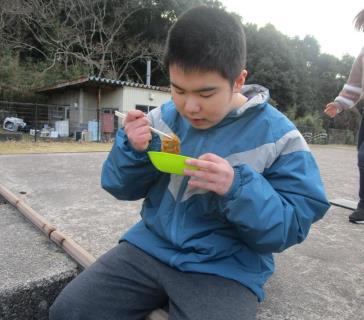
330,22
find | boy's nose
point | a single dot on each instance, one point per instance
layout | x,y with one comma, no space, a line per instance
191,104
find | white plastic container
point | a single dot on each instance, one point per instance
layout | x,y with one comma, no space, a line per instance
62,127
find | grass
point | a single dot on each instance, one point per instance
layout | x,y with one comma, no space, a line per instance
26,147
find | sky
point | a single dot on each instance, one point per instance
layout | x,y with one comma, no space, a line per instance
330,22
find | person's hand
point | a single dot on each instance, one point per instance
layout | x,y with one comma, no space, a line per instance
214,173
332,109
136,127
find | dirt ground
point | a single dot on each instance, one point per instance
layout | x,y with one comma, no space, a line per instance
26,147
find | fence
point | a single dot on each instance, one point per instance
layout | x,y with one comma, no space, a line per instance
331,136
40,116
56,122
36,116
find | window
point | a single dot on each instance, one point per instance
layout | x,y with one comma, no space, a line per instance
144,108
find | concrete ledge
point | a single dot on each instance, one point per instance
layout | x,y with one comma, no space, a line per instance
322,278
32,299
33,270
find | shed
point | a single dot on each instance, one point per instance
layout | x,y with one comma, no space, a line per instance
88,98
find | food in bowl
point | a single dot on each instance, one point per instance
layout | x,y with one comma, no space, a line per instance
171,145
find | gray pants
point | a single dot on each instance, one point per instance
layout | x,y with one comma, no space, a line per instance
127,283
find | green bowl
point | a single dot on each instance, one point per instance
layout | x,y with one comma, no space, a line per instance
169,162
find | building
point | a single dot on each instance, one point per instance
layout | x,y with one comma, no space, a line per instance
92,98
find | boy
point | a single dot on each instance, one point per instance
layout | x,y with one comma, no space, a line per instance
205,242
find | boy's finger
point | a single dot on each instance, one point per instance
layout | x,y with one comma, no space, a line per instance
200,174
200,184
138,123
210,157
134,115
201,164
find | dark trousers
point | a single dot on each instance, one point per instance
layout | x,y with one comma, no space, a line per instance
361,162
127,283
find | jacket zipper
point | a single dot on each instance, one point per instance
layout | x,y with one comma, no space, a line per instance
175,218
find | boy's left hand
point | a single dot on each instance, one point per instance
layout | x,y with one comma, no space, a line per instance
214,173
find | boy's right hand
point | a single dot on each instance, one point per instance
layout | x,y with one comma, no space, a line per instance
136,127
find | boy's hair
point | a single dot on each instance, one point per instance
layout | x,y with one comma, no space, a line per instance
207,39
359,21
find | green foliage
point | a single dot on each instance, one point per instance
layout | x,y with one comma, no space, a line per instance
294,70
19,77
313,121
62,40
349,137
291,112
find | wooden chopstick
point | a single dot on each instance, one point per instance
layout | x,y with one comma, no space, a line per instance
123,116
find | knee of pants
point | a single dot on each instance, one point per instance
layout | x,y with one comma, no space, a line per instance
56,310
61,310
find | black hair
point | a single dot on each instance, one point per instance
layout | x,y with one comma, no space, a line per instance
207,39
359,21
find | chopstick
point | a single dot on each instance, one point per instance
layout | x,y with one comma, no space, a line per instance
123,116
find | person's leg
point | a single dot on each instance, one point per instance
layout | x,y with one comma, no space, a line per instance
203,296
358,214
122,284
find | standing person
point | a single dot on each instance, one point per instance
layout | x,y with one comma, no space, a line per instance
204,246
349,96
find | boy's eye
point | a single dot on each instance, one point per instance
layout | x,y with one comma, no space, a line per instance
207,95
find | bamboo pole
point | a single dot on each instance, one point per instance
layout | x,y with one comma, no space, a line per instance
80,255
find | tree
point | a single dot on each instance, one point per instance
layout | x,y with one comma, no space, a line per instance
49,40
271,63
110,38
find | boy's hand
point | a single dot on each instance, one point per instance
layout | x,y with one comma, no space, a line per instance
136,127
214,173
332,109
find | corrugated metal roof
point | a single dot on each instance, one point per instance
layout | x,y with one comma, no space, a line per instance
127,83
95,81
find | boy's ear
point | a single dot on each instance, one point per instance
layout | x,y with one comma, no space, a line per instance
240,80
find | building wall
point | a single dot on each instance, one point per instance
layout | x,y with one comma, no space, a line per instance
112,98
139,96
88,106
82,105
82,102
68,98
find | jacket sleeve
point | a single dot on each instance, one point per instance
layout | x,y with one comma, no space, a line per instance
352,91
274,210
126,173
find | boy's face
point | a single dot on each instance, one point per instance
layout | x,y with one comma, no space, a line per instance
204,98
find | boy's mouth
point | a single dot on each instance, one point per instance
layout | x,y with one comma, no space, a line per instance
197,122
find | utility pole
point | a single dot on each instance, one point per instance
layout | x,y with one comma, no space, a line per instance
98,113
149,70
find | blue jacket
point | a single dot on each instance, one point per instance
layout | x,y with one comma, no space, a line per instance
276,195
